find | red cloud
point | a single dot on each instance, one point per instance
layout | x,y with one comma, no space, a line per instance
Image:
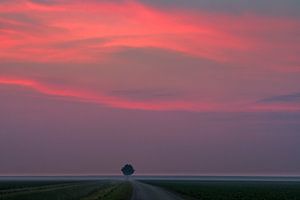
117,102
90,31
110,101
243,40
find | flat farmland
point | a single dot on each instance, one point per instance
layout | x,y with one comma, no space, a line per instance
232,190
65,190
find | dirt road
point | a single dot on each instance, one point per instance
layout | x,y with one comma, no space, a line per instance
142,191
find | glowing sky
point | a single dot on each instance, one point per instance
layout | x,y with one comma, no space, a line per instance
173,86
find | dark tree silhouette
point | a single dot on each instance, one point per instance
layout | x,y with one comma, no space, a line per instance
127,170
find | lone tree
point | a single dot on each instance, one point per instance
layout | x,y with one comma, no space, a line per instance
127,170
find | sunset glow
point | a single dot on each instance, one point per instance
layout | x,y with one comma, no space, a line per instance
165,68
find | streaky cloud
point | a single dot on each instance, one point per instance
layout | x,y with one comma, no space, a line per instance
247,39
288,98
159,104
110,101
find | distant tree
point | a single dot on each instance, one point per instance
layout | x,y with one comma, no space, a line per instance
127,170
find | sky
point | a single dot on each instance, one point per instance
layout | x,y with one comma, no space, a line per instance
181,87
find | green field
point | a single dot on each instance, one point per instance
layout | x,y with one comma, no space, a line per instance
232,190
65,190
122,190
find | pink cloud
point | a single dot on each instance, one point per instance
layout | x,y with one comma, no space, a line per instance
110,101
157,105
92,32
244,40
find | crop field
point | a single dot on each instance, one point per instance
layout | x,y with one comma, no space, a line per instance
65,190
232,190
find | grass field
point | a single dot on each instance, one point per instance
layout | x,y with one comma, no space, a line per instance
62,190
232,190
122,190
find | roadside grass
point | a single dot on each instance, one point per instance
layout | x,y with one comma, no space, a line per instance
232,190
22,184
61,191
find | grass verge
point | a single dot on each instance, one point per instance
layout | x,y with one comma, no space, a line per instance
232,190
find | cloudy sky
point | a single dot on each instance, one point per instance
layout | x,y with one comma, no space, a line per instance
171,86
